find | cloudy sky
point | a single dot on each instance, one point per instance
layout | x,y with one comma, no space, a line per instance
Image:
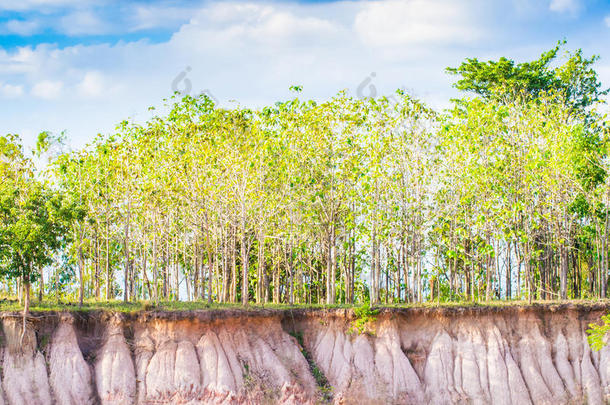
85,65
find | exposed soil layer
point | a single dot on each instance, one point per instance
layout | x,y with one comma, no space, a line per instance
502,355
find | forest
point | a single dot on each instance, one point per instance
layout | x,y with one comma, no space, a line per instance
503,196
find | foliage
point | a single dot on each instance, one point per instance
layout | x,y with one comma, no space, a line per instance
321,380
365,320
33,218
576,79
596,333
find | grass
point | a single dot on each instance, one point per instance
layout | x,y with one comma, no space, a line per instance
11,304
324,386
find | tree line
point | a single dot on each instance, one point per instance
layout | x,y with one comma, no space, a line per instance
382,200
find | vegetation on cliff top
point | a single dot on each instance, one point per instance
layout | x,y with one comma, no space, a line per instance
13,305
505,196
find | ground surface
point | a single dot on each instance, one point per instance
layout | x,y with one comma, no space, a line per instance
12,304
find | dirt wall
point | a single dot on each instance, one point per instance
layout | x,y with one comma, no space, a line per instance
478,355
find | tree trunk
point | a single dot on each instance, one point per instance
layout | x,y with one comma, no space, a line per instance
224,294
41,285
508,271
107,264
374,294
126,272
352,272
195,268
233,295
244,265
604,254
563,276
333,267
26,306
81,270
166,269
209,252
144,273
97,265
291,275
26,298
260,268
155,269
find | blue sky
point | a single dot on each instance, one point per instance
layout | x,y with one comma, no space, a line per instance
83,66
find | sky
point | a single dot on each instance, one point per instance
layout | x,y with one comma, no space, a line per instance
83,66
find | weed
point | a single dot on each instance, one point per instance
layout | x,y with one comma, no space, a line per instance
43,342
365,319
10,304
321,381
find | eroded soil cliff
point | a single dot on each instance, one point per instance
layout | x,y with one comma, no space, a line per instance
510,355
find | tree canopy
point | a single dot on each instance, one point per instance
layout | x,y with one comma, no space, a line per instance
504,196
575,79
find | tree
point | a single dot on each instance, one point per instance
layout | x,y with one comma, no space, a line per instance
33,219
504,79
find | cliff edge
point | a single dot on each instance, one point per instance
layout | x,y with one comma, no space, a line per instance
476,355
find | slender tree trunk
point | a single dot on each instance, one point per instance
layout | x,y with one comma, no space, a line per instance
195,269
26,306
166,259
276,277
244,265
563,276
203,276
329,265
209,250
19,289
107,264
260,268
155,268
604,254
352,271
81,270
41,285
233,265
508,271
224,295
374,293
144,273
176,271
97,264
290,263
333,267
416,275
126,272
26,298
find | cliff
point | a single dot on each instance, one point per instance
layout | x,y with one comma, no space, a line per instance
479,355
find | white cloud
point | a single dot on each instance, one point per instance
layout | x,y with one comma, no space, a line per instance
47,89
234,24
147,16
10,90
250,52
21,27
88,17
564,6
83,22
92,84
22,5
607,21
395,23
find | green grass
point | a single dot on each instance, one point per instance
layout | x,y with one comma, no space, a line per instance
11,304
324,386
